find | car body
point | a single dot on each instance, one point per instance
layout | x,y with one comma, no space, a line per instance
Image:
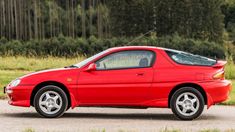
113,78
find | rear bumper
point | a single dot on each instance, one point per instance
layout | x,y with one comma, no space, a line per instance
217,91
19,96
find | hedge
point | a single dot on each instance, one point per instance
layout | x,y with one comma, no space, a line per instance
70,47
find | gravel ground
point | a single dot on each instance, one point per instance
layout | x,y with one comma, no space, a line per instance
113,120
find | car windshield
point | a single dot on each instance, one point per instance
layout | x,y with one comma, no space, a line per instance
84,62
189,59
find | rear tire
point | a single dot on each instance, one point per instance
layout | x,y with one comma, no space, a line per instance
51,101
187,103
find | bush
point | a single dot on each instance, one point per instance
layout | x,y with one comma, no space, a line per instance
69,47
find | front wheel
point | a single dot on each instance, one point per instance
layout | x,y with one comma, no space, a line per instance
51,101
187,103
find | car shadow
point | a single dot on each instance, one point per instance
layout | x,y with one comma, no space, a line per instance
129,116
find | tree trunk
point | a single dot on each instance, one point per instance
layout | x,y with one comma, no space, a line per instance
83,19
67,18
16,20
35,20
12,19
72,18
99,20
90,16
29,19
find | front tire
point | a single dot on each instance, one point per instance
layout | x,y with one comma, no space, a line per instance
187,103
51,101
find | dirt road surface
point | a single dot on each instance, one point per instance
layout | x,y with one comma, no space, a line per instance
113,120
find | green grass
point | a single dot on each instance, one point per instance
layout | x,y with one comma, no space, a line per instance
28,130
35,64
230,70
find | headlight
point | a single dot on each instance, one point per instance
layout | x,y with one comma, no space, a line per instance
15,83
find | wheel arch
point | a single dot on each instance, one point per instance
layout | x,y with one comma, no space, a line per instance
55,83
193,85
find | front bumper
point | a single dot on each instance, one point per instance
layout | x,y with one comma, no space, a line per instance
19,96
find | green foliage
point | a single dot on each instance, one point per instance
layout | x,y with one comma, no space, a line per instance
199,19
229,51
69,47
228,9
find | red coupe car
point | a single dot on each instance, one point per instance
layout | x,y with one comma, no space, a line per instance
132,76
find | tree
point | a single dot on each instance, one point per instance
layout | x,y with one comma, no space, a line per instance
39,19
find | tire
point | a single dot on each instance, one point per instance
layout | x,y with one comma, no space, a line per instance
187,103
51,101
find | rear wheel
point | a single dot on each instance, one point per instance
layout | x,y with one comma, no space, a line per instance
187,103
51,101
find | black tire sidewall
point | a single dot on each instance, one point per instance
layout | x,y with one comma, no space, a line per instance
55,89
184,90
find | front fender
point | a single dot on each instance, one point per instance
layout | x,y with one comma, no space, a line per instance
73,100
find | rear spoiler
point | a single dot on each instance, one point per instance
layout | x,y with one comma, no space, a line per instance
219,64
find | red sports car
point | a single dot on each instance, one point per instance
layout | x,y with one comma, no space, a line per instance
132,76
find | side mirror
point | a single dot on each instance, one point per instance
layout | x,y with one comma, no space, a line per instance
91,67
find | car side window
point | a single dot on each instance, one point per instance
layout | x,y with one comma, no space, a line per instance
126,59
190,59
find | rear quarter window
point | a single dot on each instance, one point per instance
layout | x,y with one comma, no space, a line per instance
189,59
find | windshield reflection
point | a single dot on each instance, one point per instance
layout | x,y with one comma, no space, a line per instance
84,62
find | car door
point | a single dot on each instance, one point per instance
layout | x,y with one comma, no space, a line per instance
122,77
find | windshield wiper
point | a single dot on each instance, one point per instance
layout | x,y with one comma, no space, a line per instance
72,66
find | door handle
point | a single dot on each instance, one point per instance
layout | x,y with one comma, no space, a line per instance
139,74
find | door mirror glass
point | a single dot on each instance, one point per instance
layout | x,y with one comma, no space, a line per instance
91,67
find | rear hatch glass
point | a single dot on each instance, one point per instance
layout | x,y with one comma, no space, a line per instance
189,59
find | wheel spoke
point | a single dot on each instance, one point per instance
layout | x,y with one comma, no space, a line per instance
194,100
43,103
186,96
193,109
49,109
56,106
180,103
48,96
184,110
56,97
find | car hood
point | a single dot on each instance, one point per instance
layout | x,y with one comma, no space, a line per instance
58,75
56,70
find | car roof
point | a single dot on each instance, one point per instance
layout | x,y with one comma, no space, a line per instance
137,47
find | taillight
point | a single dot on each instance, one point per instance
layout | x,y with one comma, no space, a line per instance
219,75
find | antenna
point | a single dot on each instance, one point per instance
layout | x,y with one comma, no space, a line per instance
141,36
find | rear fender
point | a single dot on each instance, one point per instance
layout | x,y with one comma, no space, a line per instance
209,101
